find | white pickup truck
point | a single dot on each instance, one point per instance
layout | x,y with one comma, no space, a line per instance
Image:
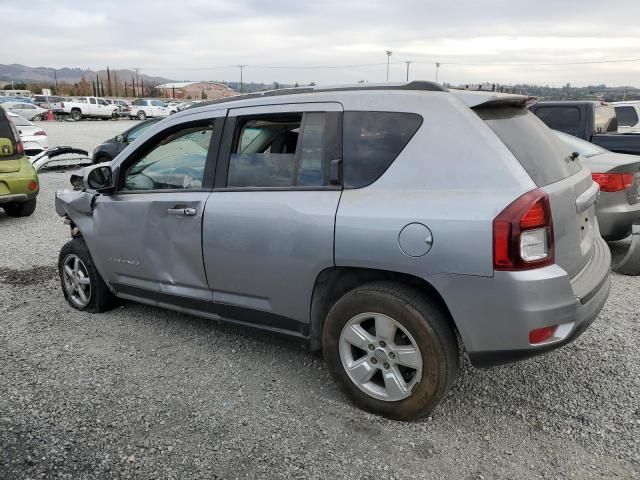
85,107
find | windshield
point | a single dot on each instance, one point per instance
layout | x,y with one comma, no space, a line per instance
584,148
19,121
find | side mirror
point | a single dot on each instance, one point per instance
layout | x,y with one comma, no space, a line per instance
98,178
120,138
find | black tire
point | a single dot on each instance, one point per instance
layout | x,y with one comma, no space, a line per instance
141,115
76,115
423,319
37,118
23,209
100,298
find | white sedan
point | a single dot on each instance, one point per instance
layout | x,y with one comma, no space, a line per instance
33,138
25,110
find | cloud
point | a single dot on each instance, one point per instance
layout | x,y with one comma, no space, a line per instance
204,39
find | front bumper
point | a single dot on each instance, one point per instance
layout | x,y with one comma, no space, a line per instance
494,315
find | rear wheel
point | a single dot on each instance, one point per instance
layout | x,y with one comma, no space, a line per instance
391,349
141,115
76,115
37,118
83,287
23,209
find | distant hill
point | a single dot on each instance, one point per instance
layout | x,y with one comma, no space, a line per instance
22,73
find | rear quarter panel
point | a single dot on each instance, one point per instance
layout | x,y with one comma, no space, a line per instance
454,176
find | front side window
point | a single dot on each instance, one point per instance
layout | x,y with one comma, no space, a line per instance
627,116
92,101
138,103
158,103
284,150
372,141
176,162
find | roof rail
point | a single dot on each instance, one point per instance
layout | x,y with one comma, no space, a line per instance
415,85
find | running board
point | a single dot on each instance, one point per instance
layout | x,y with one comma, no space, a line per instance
630,263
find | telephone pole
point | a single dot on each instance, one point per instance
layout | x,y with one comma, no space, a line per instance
408,63
241,67
389,52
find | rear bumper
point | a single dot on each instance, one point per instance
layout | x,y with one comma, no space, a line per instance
18,198
615,219
495,315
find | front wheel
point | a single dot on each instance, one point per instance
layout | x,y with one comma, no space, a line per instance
37,118
76,115
82,286
141,115
391,349
23,209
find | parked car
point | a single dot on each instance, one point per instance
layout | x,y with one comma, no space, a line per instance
619,178
107,151
628,115
46,101
375,226
8,99
25,110
142,108
86,107
19,184
594,122
34,139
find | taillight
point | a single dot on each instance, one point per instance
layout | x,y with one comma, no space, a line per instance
32,185
61,104
40,133
20,148
523,234
613,182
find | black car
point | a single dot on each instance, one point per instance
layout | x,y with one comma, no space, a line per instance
107,151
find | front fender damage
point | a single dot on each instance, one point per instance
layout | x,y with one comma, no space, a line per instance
77,206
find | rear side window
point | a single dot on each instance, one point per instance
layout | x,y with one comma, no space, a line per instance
540,152
372,141
8,139
564,119
627,116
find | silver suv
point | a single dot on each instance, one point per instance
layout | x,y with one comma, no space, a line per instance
385,225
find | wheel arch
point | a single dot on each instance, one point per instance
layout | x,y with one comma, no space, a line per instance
332,283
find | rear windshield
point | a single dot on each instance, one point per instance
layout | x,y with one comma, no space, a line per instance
541,153
8,147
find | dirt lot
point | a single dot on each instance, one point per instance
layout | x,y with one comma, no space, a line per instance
141,392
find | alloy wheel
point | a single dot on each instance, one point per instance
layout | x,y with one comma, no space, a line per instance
380,356
76,280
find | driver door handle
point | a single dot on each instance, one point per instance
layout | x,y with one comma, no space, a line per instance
187,211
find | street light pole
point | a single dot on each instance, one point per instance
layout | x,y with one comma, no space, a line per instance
389,52
437,68
241,67
408,63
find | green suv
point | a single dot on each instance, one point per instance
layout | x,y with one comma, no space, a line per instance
19,183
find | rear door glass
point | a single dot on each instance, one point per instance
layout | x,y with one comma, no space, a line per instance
540,152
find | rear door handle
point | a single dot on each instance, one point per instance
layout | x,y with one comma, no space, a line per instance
188,211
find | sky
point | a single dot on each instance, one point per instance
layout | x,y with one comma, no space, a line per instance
496,41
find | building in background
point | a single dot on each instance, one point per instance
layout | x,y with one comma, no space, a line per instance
195,90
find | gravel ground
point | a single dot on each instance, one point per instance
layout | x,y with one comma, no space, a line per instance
140,392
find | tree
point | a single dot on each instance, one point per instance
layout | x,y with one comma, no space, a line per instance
16,86
204,95
84,89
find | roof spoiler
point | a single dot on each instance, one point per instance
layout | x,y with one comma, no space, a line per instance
478,98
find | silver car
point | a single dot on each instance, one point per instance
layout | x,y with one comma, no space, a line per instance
619,178
387,225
